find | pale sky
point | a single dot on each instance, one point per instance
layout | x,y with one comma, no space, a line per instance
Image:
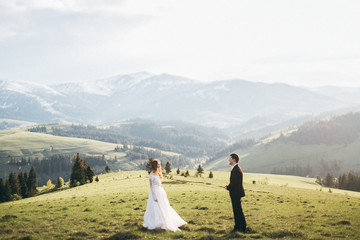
303,42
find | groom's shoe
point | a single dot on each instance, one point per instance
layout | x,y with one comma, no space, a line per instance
238,230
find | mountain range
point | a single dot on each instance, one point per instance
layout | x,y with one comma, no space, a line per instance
252,108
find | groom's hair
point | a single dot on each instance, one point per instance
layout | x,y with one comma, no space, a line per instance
235,156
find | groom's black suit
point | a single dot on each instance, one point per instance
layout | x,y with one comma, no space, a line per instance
236,190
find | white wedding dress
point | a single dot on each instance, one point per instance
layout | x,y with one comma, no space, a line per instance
160,215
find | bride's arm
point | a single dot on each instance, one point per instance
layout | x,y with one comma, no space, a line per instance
152,190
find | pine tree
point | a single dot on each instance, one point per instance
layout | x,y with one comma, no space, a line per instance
211,175
23,185
90,173
178,171
200,170
149,165
84,173
32,182
97,179
14,182
354,181
2,190
329,180
187,174
107,169
168,167
59,182
344,181
78,172
7,191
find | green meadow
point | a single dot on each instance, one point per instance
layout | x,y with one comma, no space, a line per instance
22,143
275,207
15,141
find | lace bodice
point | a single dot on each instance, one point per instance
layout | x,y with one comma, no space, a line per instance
155,179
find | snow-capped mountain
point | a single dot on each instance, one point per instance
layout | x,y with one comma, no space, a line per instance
22,100
133,82
166,97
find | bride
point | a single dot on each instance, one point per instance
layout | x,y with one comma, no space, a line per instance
159,214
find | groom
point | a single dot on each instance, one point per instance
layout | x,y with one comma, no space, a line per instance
236,190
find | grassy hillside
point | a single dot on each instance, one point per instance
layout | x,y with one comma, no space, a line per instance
330,145
21,143
114,207
264,157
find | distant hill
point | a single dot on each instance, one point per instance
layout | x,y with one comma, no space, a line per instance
125,145
9,124
183,138
309,149
256,108
313,148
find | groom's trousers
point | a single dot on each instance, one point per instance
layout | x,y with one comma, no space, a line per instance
240,222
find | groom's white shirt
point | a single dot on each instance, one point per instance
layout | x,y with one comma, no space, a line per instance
232,167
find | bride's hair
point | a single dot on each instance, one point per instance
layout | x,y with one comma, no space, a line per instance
156,167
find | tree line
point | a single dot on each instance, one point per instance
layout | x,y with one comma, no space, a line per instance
346,181
18,186
295,170
322,167
81,172
24,185
342,129
136,153
40,129
189,140
199,170
55,165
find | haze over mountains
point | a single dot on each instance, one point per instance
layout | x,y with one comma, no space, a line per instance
161,115
247,105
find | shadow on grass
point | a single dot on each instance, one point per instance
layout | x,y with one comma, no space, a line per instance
343,223
221,234
152,231
124,235
7,218
206,229
283,233
210,237
211,234
26,238
234,235
80,234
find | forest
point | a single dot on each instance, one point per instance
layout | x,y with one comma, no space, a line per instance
182,138
346,181
342,129
56,165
